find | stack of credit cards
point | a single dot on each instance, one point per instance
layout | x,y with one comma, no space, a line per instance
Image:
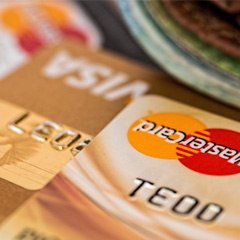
96,146
196,41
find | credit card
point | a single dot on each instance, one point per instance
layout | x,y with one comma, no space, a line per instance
164,169
33,151
27,26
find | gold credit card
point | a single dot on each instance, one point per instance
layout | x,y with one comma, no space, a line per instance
159,168
82,89
33,150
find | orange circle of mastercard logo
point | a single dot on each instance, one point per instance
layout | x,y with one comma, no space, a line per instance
174,136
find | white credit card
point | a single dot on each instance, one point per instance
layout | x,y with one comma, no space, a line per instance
27,26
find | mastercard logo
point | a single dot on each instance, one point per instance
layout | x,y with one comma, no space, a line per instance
174,136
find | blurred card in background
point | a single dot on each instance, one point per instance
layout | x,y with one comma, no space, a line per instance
27,26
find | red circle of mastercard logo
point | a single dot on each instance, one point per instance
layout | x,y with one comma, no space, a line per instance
174,136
